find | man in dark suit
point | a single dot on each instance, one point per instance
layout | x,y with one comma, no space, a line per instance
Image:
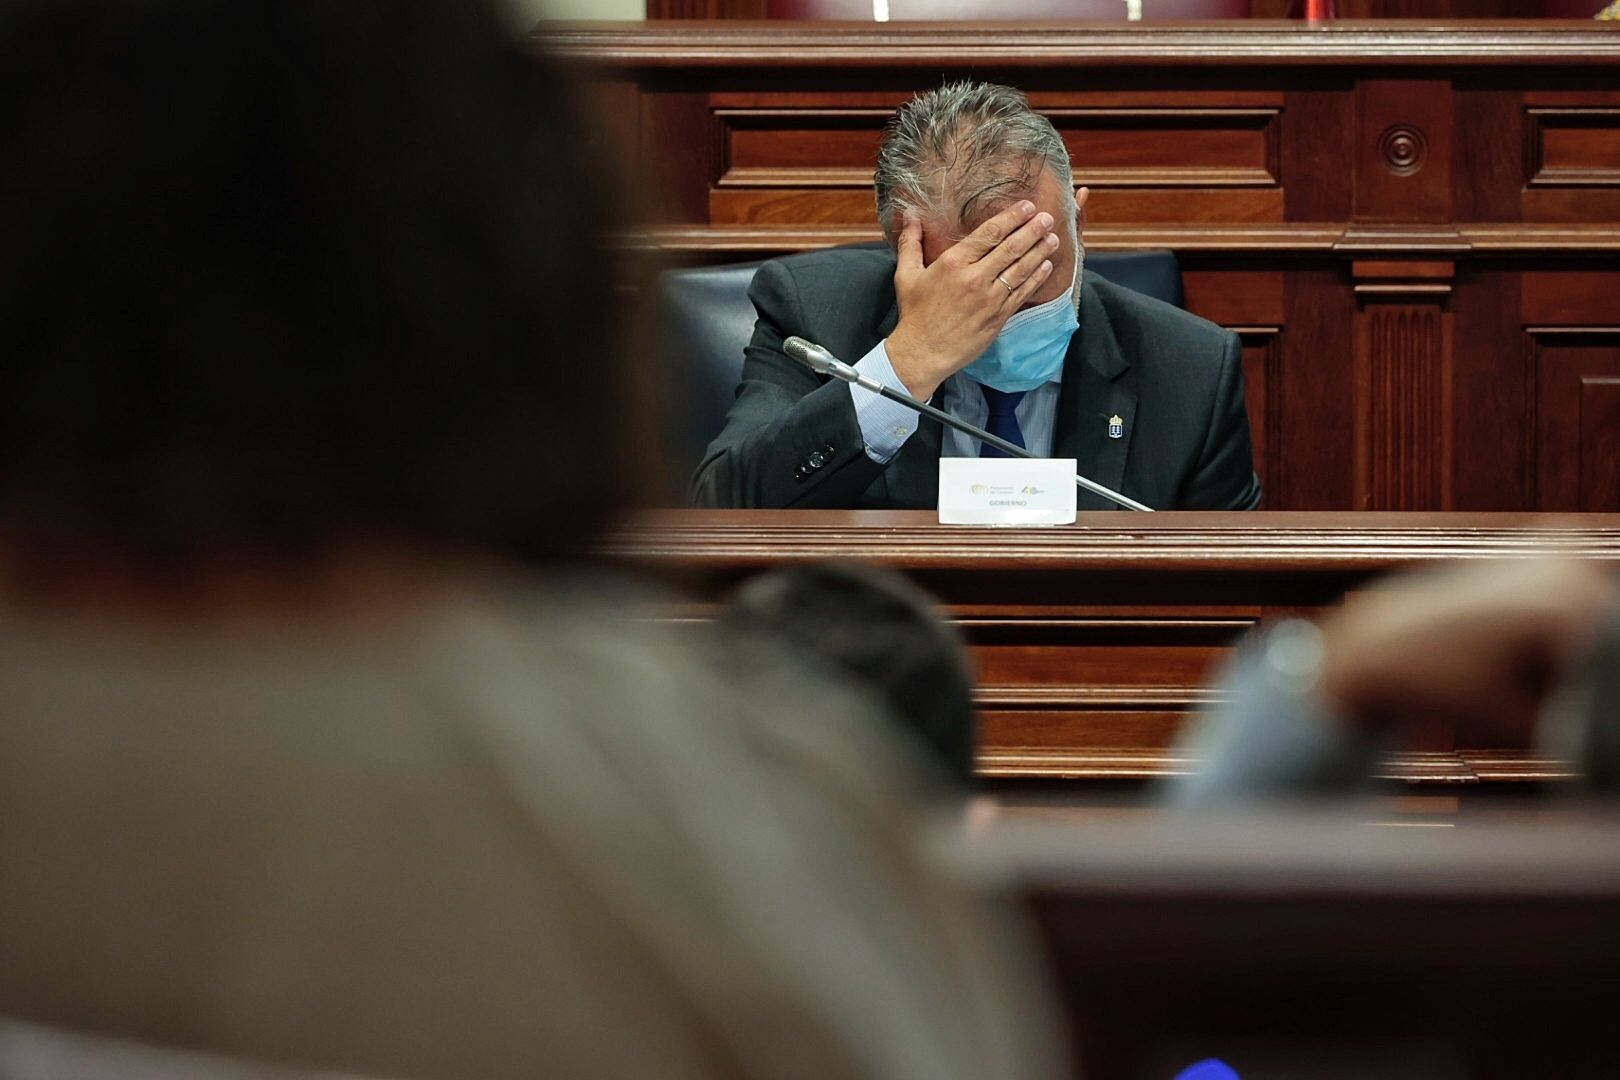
983,307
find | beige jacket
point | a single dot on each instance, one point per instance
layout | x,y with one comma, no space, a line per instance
512,833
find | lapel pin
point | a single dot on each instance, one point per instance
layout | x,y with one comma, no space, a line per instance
1116,427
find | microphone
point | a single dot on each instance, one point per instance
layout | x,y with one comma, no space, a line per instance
822,362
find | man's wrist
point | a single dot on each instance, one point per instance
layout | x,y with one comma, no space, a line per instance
906,364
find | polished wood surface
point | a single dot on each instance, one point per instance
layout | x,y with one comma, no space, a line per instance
1258,9
1414,227
1094,642
1316,946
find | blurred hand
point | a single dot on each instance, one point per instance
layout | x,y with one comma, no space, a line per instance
1480,645
952,309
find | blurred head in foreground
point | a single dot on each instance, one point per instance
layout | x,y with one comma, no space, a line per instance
281,276
875,627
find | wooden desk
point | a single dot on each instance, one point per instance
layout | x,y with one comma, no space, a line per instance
1412,226
1094,642
1321,946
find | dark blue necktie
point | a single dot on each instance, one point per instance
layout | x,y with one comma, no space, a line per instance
1003,419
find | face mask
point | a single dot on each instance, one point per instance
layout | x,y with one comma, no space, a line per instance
1030,349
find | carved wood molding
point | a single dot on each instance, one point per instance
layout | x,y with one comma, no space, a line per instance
1192,176
1110,542
1570,415
1180,698
687,44
1412,279
1403,377
756,241
1402,435
1446,767
1587,164
1525,238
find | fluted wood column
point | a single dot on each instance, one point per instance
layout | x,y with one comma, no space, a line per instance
1403,375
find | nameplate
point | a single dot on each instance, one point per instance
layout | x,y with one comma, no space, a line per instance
1006,491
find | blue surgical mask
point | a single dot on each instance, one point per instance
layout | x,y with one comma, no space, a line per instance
1030,349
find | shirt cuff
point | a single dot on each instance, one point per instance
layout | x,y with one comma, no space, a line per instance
885,425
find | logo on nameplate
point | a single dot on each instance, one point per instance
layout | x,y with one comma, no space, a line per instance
1116,427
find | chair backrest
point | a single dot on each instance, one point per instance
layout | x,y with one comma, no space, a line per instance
705,320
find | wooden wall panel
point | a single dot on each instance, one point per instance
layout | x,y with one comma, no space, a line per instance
1062,694
1574,147
1262,354
1313,464
1577,419
1489,140
1403,150
1403,362
1491,392
679,152
707,9
1253,303
1316,118
1600,440
1216,161
1572,297
1570,323
1402,407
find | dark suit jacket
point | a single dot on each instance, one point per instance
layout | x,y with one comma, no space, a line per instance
791,438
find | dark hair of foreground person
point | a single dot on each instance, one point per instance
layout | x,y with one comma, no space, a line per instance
276,275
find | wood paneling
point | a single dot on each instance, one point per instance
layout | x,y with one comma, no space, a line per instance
1401,398
706,9
1403,385
1310,945
1093,643
814,164
1577,418
1574,147
1491,391
1389,214
1262,394
1403,150
1257,9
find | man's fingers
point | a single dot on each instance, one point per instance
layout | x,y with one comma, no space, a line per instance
1020,270
1023,292
909,251
988,236
1026,238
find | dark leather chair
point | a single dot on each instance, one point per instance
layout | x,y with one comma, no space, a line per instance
705,321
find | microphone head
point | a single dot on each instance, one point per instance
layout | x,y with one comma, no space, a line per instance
809,354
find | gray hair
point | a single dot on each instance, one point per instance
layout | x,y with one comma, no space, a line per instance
950,153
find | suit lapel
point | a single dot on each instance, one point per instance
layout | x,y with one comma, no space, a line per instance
1098,385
